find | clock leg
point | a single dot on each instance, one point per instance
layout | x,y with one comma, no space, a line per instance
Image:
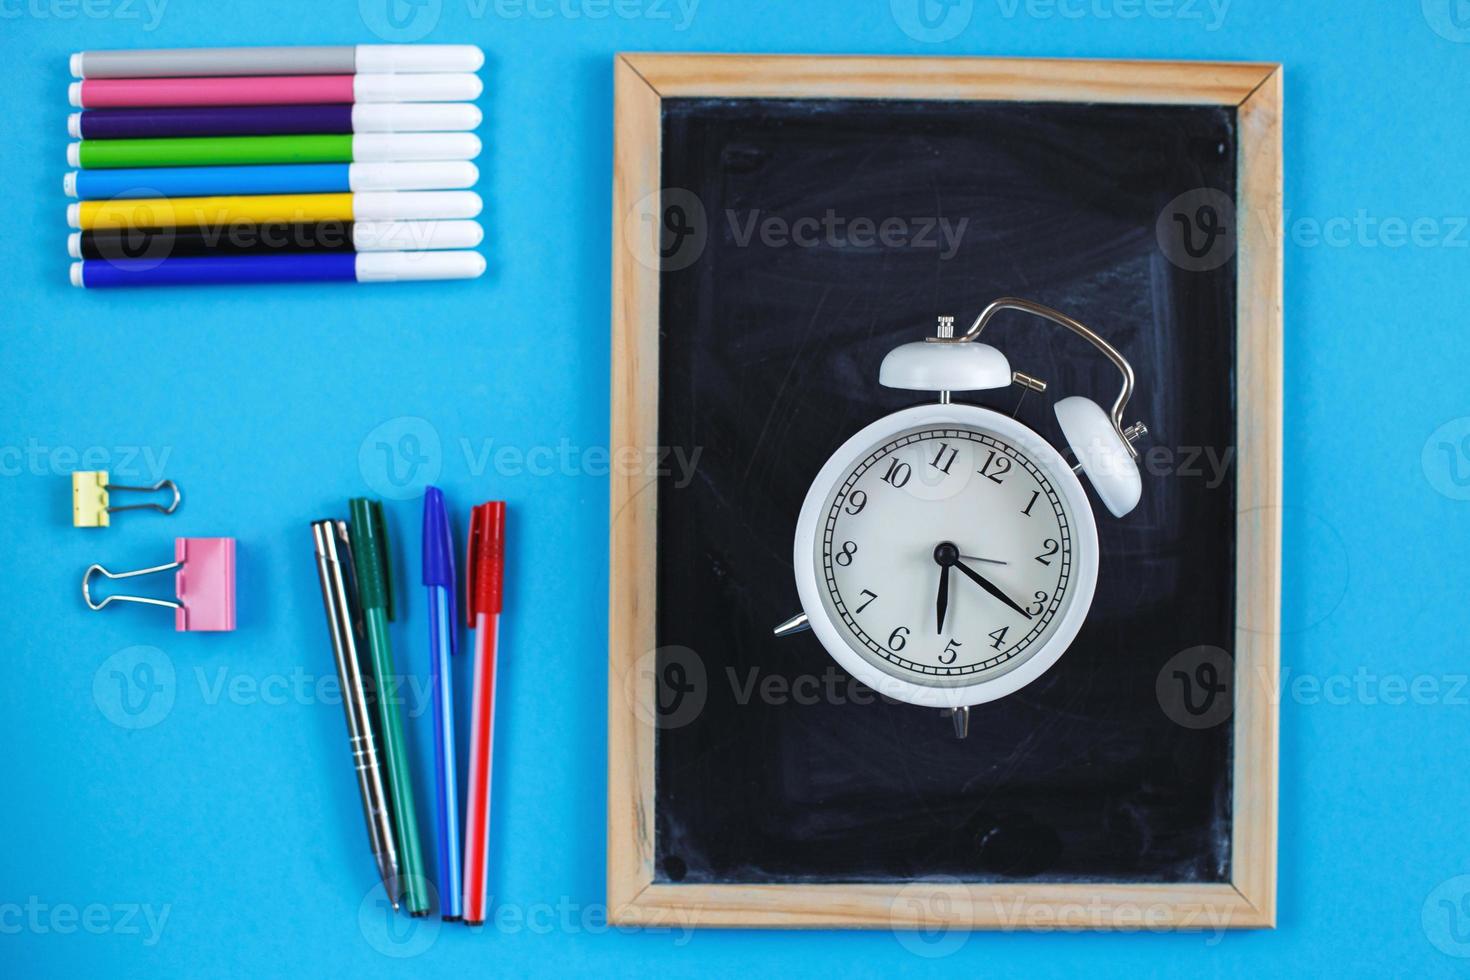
961,719
795,624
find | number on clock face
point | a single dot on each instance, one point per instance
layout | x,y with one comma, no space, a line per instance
946,503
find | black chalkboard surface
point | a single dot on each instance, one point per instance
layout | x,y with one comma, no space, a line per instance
769,353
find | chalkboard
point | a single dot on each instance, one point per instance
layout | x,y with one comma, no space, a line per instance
801,240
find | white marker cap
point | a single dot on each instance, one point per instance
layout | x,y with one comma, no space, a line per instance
76,66
415,117
76,274
419,175
386,147
416,88
74,94
73,154
415,236
74,244
74,215
400,205
69,184
409,266
418,57
74,125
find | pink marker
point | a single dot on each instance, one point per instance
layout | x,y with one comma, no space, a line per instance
119,93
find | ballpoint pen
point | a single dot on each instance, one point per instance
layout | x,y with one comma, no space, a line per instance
369,536
438,552
484,573
334,568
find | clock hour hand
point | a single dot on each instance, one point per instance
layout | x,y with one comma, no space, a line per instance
985,584
942,603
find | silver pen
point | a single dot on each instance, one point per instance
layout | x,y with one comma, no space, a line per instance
334,568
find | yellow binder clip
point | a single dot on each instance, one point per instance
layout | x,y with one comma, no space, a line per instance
91,498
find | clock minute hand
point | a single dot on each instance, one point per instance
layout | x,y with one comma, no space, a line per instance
985,584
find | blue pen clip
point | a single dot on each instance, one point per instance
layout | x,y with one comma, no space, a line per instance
439,557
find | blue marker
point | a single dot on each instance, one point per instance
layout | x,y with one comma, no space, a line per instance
443,644
286,178
302,267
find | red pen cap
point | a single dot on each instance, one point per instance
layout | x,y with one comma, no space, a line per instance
485,559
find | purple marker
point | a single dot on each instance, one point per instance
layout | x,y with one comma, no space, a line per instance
250,120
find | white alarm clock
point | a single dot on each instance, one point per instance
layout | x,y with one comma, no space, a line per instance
946,555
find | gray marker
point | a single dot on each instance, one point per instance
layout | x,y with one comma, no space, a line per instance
303,60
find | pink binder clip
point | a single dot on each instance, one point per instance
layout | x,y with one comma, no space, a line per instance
204,583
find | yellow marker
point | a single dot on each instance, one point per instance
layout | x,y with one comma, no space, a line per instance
218,212
222,212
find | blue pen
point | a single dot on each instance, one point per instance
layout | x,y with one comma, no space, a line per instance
443,644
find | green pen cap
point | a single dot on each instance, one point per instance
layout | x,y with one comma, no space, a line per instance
369,535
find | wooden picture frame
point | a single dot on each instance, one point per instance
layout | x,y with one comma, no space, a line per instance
1249,898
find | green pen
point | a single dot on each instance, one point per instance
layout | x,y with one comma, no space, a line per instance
196,151
369,535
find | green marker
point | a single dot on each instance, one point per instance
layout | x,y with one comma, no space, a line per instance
369,537
209,151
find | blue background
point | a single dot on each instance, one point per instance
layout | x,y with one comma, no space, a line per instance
233,810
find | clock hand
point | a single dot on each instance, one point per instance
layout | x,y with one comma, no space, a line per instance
942,603
988,561
985,584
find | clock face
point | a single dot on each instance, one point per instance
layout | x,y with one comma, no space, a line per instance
947,554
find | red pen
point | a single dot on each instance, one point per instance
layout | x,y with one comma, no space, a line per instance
483,580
